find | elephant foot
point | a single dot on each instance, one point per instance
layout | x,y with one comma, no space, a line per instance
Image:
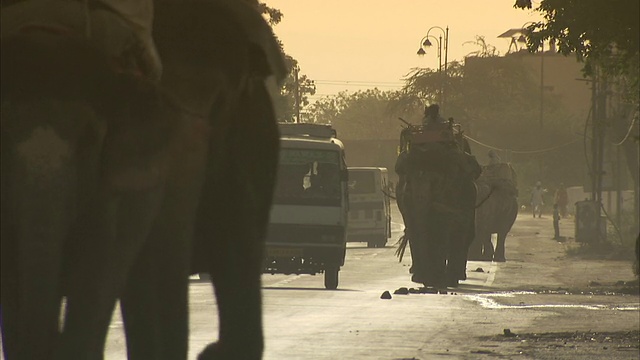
417,278
216,351
499,259
453,283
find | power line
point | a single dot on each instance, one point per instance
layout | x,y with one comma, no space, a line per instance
360,81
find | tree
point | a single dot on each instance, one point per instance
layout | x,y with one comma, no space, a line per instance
605,35
361,115
285,103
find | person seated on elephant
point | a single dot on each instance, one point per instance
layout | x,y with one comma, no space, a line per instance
432,115
121,29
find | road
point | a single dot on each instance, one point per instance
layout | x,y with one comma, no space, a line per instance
304,321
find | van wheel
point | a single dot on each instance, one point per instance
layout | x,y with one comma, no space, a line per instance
331,277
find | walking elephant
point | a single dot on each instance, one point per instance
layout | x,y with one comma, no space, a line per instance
497,211
106,180
436,197
82,149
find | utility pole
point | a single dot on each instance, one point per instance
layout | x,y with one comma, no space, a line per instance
541,83
598,116
297,81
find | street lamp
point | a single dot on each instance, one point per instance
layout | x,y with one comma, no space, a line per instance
522,39
426,43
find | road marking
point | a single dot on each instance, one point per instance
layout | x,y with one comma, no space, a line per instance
285,281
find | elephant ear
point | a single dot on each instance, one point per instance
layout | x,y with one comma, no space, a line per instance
260,35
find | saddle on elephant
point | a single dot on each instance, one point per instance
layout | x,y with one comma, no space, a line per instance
47,53
500,176
121,30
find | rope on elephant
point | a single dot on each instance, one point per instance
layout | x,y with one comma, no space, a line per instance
402,246
486,198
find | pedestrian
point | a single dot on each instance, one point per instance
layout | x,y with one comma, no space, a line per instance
556,222
432,115
561,198
537,199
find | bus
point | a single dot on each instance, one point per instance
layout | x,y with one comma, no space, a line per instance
308,219
369,206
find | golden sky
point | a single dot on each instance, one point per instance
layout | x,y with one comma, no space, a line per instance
355,44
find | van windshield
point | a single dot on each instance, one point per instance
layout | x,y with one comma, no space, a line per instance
308,177
362,182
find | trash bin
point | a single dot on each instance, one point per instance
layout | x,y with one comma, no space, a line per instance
586,222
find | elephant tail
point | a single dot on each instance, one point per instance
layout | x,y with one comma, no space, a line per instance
402,246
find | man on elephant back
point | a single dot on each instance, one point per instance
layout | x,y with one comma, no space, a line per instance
120,29
436,197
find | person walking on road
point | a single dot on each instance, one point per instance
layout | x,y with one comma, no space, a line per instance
556,222
561,198
537,199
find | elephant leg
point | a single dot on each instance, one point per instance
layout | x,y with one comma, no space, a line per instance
418,245
475,249
234,225
487,246
436,250
233,239
38,198
31,278
155,300
112,236
463,234
499,253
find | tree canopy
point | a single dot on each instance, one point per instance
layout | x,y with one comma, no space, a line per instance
605,33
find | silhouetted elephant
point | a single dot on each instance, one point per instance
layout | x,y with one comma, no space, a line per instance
436,197
497,211
102,183
82,149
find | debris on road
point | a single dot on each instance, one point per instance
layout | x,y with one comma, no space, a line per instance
385,295
402,291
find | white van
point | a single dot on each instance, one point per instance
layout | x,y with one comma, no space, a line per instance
369,206
308,220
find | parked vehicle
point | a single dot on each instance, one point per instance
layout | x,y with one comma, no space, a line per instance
369,206
307,229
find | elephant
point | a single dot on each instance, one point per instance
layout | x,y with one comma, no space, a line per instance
129,175
436,197
76,139
496,213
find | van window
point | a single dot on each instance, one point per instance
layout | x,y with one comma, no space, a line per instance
308,177
362,182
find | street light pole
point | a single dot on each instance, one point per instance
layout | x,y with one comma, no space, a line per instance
424,42
445,32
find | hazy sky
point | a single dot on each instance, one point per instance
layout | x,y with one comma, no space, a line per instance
344,43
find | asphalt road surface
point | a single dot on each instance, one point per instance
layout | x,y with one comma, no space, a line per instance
534,306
